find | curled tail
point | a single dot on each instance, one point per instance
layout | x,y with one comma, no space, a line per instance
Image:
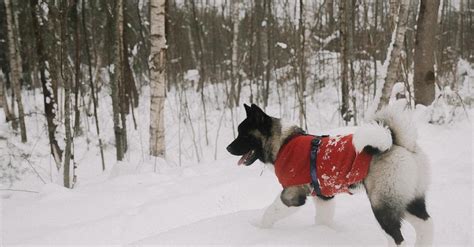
389,126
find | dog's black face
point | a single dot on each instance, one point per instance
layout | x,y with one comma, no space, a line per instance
253,131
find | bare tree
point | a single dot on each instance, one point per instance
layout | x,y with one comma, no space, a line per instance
66,78
393,58
116,83
344,15
91,83
15,67
77,66
269,46
424,78
158,72
49,96
235,56
302,65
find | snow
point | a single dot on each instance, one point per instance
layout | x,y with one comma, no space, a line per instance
282,45
192,75
45,8
217,202
325,41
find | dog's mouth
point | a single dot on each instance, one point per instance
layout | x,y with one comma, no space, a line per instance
248,158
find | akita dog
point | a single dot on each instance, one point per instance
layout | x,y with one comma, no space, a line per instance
382,155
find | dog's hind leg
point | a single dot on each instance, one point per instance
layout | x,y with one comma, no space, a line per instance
421,221
325,208
275,212
389,218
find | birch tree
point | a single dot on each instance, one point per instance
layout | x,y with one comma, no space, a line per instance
424,78
15,67
49,96
66,78
234,95
158,75
393,56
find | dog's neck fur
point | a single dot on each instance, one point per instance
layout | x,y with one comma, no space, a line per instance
280,133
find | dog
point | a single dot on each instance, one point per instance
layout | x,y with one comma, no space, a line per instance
395,171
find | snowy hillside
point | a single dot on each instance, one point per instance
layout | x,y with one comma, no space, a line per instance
217,202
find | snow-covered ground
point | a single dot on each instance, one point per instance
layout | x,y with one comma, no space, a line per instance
217,202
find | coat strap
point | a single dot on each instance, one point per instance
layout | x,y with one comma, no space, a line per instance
312,164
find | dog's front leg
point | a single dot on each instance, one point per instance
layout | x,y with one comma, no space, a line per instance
275,212
325,208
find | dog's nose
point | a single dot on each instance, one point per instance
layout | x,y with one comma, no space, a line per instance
228,149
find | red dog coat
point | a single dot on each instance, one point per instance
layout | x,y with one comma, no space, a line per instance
337,163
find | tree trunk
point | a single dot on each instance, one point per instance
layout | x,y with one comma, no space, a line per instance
131,91
15,67
269,46
49,97
201,63
91,83
235,56
302,67
3,98
66,78
393,56
351,17
330,15
425,44
394,5
77,67
117,81
344,12
2,102
158,76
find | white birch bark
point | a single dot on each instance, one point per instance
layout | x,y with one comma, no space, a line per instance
393,56
15,67
158,72
235,65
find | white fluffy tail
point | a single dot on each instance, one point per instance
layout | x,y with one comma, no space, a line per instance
391,125
372,134
401,124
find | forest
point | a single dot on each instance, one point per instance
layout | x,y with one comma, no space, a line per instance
95,91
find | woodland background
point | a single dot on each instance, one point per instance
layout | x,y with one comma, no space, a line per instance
78,56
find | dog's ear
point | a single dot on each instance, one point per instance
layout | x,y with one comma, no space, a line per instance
258,115
248,110
257,110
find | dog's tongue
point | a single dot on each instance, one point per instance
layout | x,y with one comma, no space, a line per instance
244,158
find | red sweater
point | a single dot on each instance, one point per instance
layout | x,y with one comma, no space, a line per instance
338,164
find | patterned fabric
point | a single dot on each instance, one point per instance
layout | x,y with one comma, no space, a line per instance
337,164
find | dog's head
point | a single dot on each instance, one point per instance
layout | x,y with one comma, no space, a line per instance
254,132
